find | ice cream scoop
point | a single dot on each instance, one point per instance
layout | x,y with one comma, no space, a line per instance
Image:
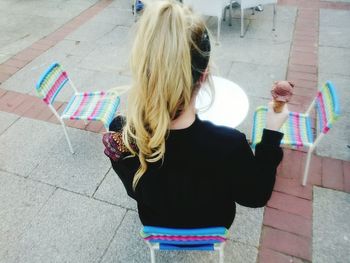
281,92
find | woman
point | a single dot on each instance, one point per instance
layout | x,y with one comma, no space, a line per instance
184,172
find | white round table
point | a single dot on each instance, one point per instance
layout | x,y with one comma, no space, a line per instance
230,105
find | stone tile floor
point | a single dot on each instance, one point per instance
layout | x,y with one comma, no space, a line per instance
61,208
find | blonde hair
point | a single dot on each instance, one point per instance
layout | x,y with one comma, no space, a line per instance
163,84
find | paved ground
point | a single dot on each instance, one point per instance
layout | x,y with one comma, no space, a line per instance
58,207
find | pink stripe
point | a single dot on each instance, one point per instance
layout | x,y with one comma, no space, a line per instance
54,87
97,107
323,111
186,238
297,130
81,106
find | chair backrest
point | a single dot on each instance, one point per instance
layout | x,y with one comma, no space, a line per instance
185,239
327,107
51,83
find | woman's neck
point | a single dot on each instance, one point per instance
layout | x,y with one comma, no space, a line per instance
186,118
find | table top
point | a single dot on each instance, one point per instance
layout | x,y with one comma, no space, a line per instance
230,105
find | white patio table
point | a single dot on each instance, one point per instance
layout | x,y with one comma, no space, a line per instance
230,105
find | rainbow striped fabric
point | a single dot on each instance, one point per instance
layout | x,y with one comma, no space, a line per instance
97,105
51,83
297,129
327,107
92,106
185,239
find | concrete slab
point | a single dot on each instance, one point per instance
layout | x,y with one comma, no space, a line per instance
258,84
334,60
69,228
246,228
127,244
26,143
81,172
91,31
334,18
334,65
331,228
113,191
4,57
335,36
335,144
25,17
261,52
343,1
21,200
116,16
7,119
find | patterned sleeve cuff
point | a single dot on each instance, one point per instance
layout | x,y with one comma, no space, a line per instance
111,149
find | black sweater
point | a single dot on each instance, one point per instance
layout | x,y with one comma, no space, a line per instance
206,169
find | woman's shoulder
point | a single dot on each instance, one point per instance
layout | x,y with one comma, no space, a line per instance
117,123
222,131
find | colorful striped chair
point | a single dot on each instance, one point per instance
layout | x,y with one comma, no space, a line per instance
297,129
207,239
87,106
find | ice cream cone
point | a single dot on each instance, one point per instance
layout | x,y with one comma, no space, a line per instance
278,106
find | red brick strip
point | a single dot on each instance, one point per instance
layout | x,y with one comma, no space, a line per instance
30,106
286,243
17,62
287,225
346,171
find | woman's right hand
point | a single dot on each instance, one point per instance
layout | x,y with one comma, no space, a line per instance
274,121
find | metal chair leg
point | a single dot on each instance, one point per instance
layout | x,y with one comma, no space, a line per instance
274,18
221,255
230,14
67,138
242,21
307,166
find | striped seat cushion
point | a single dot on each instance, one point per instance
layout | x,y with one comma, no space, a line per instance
297,129
185,237
97,105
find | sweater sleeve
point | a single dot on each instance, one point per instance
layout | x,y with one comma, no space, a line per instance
255,178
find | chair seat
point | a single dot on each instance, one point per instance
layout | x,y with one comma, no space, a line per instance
297,129
185,239
89,106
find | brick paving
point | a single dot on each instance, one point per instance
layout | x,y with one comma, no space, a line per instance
287,225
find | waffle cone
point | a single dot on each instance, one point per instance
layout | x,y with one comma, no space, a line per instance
278,106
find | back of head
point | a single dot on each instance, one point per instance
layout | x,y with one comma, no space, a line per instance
169,55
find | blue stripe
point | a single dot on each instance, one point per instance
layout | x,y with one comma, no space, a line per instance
174,247
44,75
291,129
185,243
112,112
334,98
185,231
258,113
308,130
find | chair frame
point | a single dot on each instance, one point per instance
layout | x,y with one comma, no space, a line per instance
184,239
52,108
242,7
156,246
319,135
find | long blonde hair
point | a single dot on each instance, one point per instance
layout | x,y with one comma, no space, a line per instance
162,72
